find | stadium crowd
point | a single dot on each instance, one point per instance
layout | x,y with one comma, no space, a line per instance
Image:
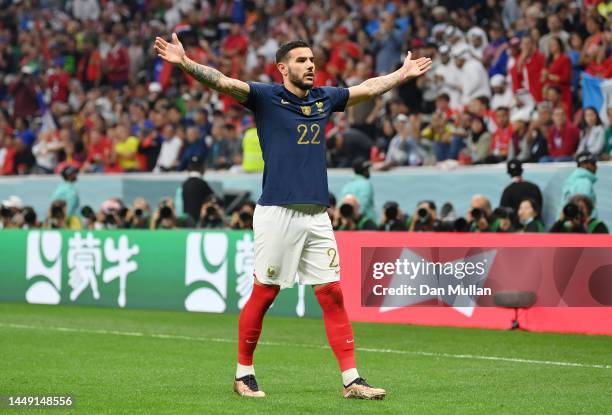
80,84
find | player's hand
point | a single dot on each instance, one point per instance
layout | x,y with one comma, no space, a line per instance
170,52
415,67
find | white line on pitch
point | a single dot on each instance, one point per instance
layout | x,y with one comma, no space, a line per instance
311,346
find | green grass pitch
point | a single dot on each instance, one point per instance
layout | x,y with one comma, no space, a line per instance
160,362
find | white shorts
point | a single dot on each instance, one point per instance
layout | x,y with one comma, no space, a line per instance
290,242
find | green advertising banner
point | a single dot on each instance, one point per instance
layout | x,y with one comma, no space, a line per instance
206,271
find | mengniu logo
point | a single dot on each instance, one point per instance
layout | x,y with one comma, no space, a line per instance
206,262
44,267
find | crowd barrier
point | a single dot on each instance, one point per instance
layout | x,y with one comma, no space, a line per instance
211,271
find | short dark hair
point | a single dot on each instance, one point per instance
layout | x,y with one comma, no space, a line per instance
284,49
484,100
583,198
430,203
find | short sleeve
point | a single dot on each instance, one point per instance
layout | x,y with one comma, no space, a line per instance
256,95
338,97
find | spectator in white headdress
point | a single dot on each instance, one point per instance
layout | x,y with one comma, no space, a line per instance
502,93
473,75
477,39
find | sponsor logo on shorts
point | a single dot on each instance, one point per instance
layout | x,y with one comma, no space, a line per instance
271,272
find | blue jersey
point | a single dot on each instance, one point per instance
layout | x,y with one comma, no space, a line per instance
291,132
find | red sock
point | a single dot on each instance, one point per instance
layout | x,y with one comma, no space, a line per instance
337,325
251,320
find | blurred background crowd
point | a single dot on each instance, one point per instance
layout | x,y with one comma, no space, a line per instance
82,91
80,84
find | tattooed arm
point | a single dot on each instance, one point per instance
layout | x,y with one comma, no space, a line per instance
175,54
374,87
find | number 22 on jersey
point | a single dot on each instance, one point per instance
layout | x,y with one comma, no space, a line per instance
308,135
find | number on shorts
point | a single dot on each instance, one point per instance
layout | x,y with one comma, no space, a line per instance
331,252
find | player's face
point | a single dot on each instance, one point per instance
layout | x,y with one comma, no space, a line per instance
300,68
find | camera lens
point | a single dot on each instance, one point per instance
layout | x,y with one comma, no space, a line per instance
422,213
165,212
571,211
346,210
476,213
391,212
210,210
138,212
87,212
245,217
30,217
57,212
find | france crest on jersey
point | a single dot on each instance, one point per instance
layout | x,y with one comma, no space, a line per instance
291,132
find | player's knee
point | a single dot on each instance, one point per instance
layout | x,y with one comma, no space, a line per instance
329,295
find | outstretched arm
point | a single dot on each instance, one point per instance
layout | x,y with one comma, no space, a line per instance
374,87
175,54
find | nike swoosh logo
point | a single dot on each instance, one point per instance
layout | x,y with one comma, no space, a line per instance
284,102
350,341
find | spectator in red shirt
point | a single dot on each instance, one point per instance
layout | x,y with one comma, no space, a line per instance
500,141
593,42
99,151
562,139
89,68
57,82
526,73
343,49
322,75
558,71
236,42
23,91
118,63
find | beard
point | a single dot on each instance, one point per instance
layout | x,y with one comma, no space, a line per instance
299,81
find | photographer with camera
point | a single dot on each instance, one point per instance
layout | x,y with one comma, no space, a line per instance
58,219
9,209
424,218
140,214
164,216
392,218
349,217
113,215
212,215
90,219
577,217
570,221
501,220
479,214
243,217
28,218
